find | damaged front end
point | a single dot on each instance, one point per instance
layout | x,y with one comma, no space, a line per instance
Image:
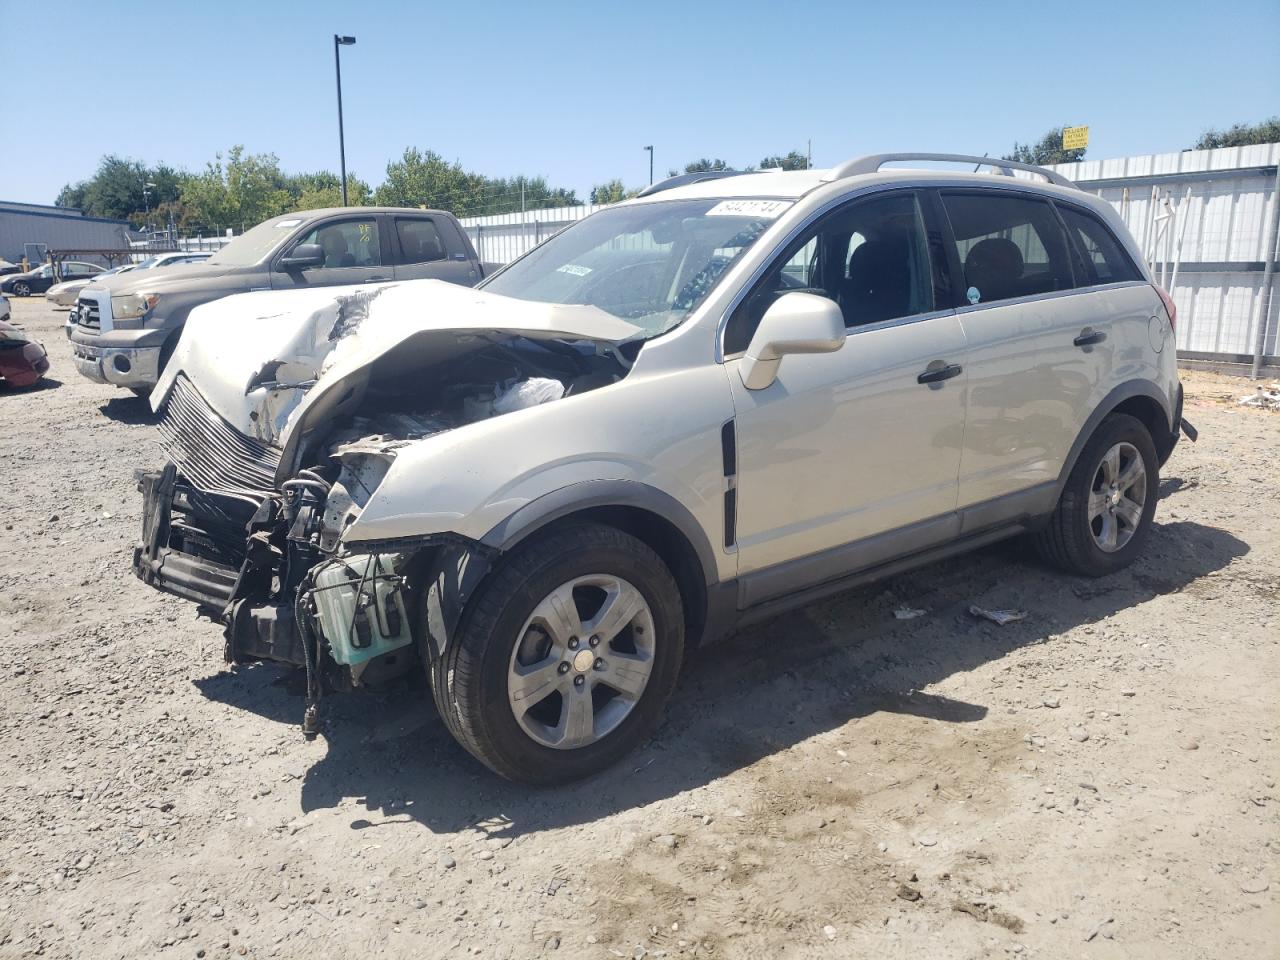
272,459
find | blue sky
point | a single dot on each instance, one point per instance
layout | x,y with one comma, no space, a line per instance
574,90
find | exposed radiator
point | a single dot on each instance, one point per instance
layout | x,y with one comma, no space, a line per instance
211,454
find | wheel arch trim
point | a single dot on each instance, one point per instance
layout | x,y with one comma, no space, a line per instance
1129,390
589,494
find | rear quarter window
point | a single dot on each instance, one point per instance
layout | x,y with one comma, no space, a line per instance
1100,253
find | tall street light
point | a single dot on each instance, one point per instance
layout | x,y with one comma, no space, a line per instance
650,149
337,70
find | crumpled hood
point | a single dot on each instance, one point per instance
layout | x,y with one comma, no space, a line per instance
261,360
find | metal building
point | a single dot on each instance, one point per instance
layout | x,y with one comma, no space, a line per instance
30,228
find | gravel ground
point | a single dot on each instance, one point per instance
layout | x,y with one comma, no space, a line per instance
1098,780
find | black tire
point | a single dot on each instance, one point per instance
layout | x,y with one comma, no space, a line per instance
1067,541
22,289
469,682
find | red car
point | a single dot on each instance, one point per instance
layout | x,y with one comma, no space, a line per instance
23,361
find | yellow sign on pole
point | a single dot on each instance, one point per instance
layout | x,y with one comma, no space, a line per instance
1075,138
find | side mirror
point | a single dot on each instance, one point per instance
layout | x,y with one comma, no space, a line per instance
795,323
303,257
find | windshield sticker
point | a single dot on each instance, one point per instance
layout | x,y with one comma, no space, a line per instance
765,209
287,224
574,269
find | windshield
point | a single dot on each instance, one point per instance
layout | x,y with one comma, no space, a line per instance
651,264
252,245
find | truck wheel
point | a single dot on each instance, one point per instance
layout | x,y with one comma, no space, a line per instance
1105,512
565,656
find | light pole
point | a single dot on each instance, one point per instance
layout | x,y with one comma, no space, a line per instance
339,41
650,149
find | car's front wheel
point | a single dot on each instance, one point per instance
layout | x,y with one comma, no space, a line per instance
22,289
1105,512
565,657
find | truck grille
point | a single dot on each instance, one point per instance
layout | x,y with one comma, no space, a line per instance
211,454
87,314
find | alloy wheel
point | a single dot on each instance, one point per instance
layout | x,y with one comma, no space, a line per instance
1117,497
582,661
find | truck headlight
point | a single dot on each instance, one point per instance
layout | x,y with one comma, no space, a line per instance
133,305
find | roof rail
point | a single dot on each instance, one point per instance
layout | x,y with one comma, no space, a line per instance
684,179
873,162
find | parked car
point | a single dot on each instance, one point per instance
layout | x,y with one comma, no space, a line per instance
23,361
42,278
5,309
7,267
684,413
64,294
127,327
67,293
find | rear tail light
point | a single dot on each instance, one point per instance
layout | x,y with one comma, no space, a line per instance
1168,306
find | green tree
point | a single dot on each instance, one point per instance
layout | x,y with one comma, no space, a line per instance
611,192
795,160
424,178
242,191
1240,135
704,165
119,189
1048,150
312,191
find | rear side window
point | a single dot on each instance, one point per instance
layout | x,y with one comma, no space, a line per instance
1008,246
1104,259
420,241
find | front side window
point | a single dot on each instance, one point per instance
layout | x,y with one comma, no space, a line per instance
651,264
871,258
351,243
1008,246
420,241
1104,260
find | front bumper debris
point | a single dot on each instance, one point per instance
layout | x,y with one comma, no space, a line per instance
157,563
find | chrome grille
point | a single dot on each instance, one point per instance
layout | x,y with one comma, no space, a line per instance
211,454
87,313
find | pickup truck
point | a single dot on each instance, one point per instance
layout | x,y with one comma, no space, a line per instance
124,328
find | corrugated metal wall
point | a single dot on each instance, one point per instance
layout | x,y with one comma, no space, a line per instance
20,224
1215,205
1222,225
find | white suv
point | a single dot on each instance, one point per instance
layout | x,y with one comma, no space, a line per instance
727,397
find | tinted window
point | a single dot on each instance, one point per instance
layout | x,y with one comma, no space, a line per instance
870,257
1104,259
351,243
1008,246
420,241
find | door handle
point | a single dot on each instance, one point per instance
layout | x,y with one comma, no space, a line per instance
1088,337
939,374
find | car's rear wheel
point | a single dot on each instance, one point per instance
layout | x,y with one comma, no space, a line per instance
565,656
1105,512
22,289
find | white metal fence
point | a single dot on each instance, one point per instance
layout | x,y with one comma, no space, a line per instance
1200,216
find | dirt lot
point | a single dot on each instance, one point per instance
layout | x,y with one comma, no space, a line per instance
1096,781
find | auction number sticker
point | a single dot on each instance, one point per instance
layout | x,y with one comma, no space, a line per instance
574,270
764,209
